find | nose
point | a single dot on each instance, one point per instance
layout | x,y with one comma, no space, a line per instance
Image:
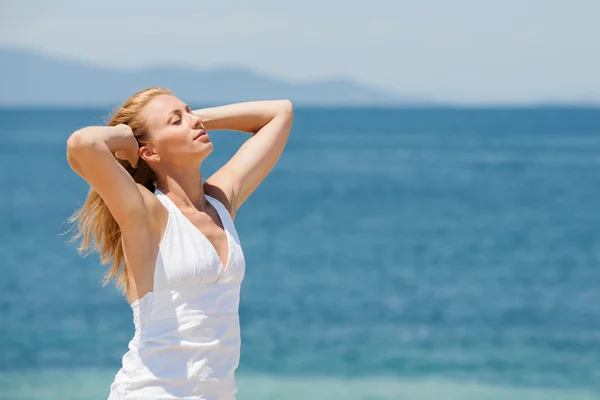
196,121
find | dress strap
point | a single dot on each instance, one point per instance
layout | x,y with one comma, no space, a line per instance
221,210
166,201
224,214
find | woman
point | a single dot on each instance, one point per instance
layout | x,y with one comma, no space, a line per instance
170,236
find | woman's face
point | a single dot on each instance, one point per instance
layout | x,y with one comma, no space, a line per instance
177,136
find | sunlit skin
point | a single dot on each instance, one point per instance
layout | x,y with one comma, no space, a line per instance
177,145
179,139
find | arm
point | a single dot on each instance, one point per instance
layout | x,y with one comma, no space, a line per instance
270,123
89,153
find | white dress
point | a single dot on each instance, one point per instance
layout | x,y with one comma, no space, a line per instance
187,335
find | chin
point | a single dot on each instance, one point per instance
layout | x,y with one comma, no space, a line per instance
206,151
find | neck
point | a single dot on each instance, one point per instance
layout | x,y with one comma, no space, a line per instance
183,186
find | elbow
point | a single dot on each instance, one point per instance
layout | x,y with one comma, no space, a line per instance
76,141
77,144
287,109
287,106
74,145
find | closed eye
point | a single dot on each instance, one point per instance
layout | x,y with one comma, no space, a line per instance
176,117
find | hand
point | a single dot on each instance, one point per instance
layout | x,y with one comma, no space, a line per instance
132,153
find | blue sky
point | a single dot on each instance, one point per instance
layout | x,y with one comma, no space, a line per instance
463,50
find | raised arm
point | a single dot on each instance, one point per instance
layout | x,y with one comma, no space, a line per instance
270,123
89,153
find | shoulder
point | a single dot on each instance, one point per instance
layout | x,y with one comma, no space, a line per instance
156,214
150,200
220,192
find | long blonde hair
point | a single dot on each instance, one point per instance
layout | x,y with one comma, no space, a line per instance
96,227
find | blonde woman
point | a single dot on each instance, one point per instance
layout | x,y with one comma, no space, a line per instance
169,235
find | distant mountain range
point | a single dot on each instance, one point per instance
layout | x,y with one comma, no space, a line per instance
28,78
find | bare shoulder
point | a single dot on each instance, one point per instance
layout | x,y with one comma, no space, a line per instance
219,189
156,213
150,200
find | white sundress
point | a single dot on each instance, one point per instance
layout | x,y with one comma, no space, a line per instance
187,335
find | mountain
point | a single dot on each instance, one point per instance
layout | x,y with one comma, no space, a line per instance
34,79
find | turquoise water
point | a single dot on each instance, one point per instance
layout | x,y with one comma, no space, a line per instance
392,254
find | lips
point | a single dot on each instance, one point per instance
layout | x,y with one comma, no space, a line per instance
201,133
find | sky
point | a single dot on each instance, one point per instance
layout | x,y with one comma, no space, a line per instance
463,51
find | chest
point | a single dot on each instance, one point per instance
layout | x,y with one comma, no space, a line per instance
194,251
209,228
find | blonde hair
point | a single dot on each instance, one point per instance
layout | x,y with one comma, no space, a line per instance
96,227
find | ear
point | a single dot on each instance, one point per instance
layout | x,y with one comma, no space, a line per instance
148,154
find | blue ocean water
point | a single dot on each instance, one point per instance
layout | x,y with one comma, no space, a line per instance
391,254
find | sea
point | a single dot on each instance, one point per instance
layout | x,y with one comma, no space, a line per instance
392,253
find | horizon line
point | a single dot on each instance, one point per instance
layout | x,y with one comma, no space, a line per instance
309,105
